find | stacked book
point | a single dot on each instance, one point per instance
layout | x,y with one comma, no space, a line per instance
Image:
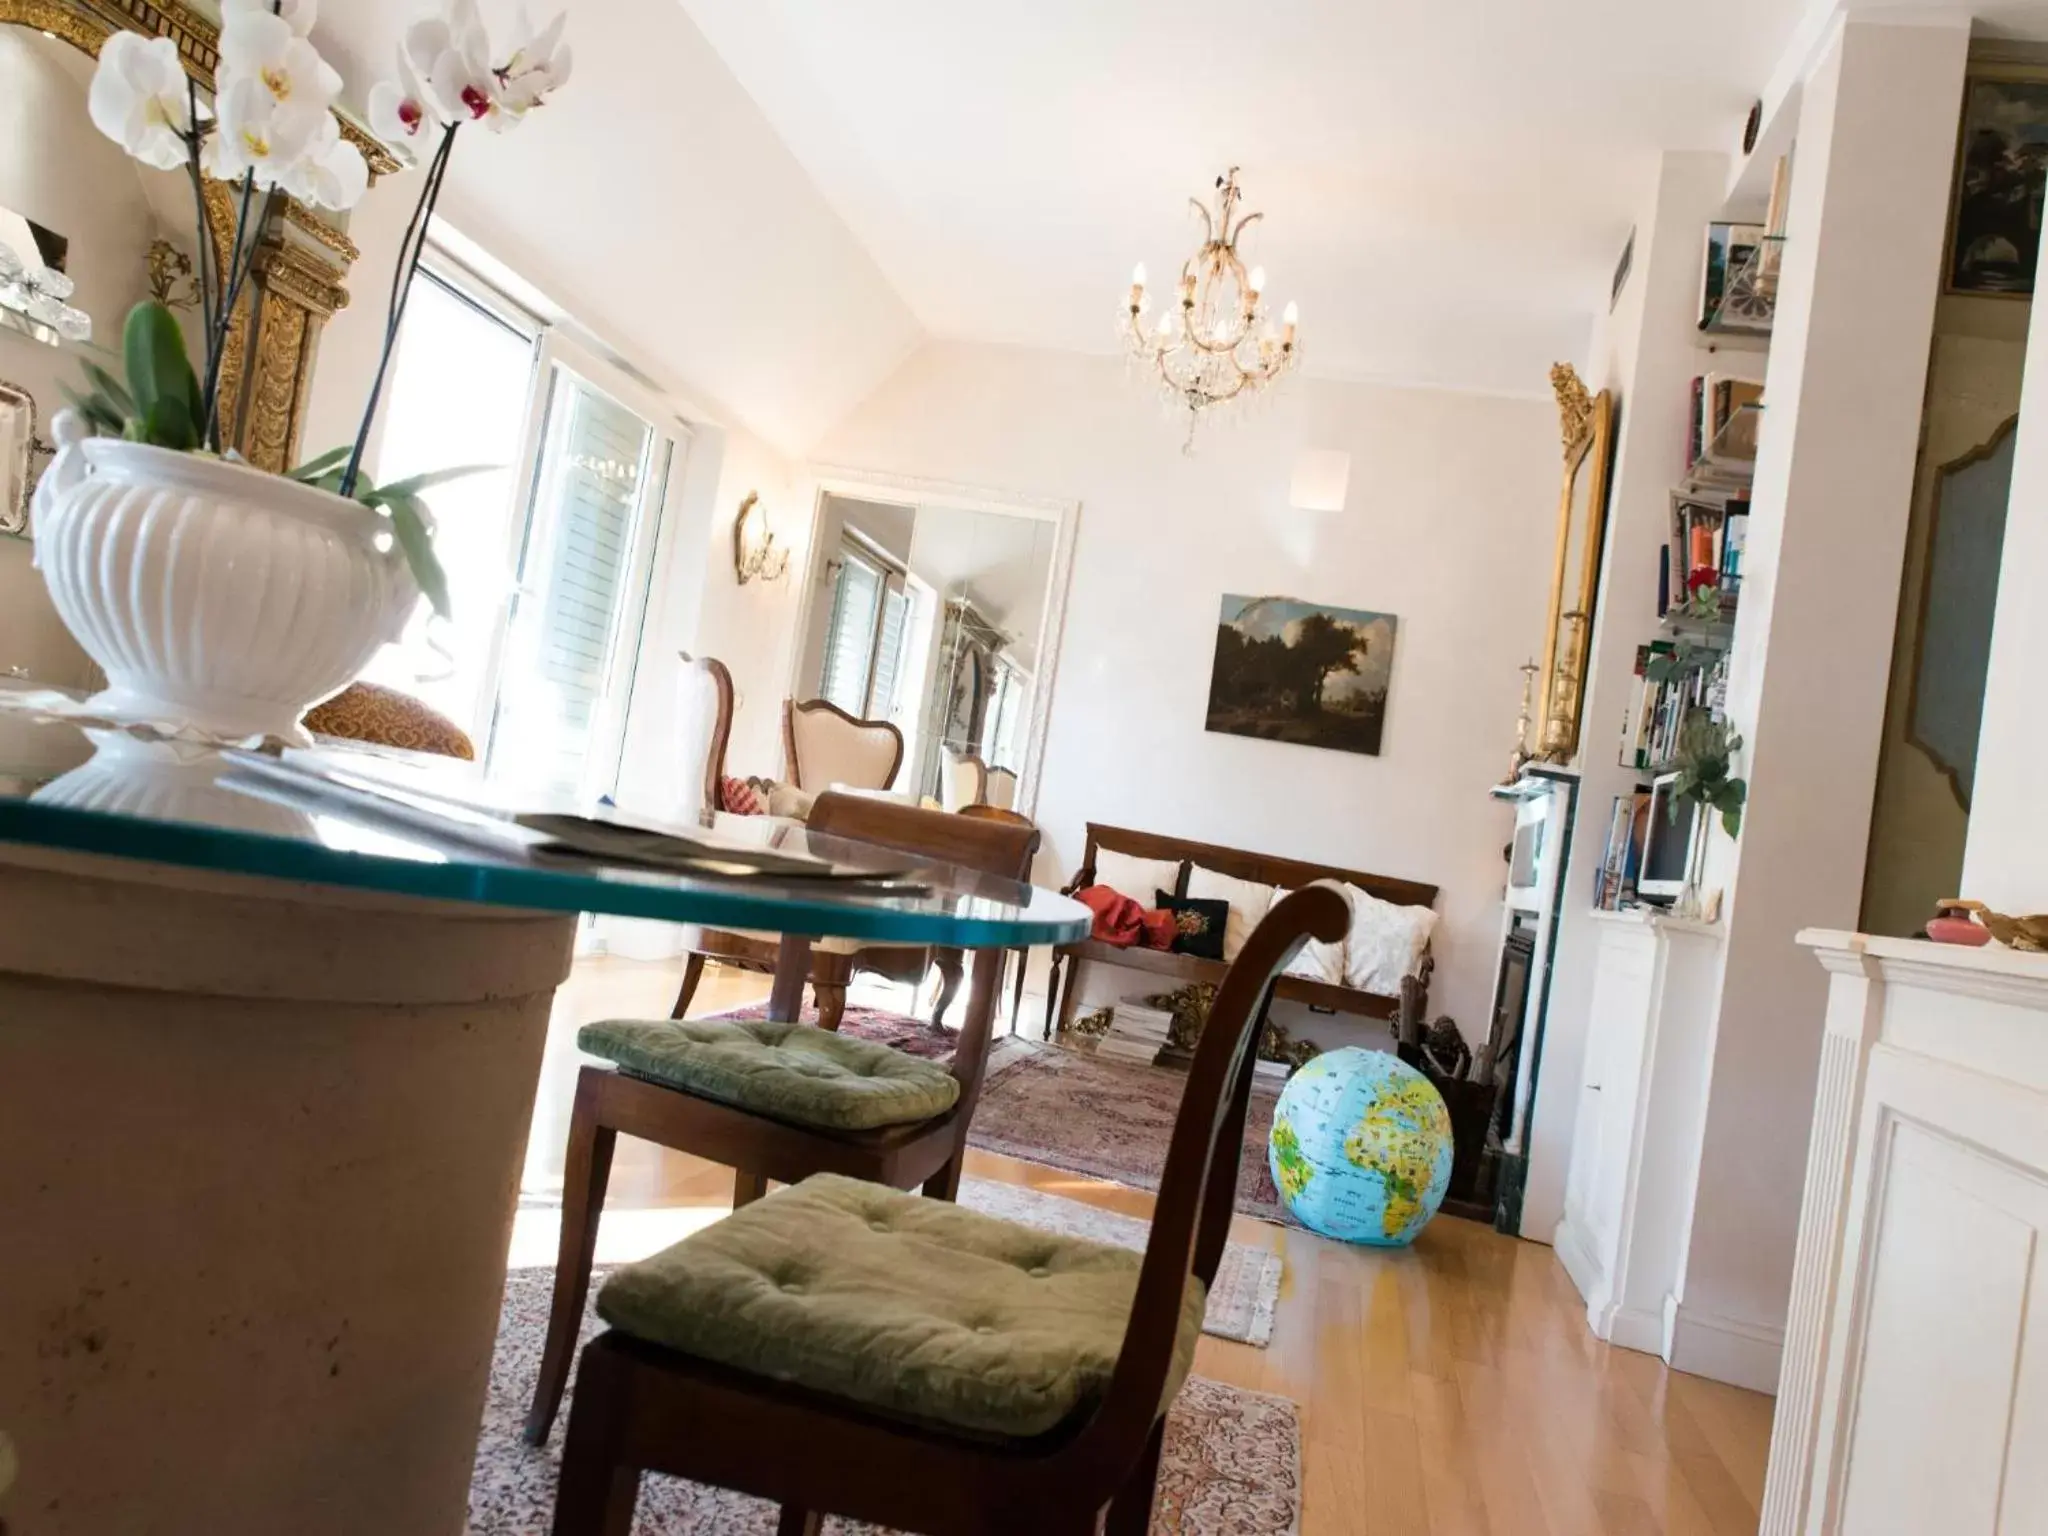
1657,710
1136,1033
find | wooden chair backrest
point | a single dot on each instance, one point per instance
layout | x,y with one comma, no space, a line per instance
966,780
822,745
705,706
1002,848
1263,868
1198,1190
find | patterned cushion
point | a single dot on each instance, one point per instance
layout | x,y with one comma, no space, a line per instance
387,718
912,1307
792,1072
739,797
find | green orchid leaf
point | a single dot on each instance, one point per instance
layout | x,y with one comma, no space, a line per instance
107,387
100,417
1731,822
160,376
314,470
413,486
168,424
409,523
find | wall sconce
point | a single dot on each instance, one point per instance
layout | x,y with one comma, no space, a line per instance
754,550
1322,479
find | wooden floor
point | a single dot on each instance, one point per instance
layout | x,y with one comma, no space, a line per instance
1450,1389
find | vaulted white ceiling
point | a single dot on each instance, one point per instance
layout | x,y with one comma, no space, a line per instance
1446,183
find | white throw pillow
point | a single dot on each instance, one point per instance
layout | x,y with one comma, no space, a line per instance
1139,879
1318,961
1386,942
1248,904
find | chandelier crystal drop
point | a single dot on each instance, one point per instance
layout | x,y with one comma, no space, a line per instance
1212,342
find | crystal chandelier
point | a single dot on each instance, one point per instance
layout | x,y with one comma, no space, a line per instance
1210,344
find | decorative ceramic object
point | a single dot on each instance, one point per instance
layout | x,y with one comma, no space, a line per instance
166,781
213,595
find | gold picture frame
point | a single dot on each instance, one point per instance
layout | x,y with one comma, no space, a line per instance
302,261
1586,428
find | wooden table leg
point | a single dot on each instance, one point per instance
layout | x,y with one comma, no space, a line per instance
792,974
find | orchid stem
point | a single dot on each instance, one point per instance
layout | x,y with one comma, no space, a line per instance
231,293
409,252
203,253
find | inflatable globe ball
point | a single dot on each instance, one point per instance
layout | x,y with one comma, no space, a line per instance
1361,1147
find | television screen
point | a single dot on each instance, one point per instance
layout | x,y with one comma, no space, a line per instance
1669,845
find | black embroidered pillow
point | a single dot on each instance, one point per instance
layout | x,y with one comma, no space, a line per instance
1197,925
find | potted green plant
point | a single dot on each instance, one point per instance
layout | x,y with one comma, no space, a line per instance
219,598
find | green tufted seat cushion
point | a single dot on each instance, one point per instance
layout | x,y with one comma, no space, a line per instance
792,1072
913,1307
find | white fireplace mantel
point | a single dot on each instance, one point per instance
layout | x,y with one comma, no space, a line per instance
1914,1390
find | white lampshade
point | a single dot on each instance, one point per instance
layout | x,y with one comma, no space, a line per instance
1322,476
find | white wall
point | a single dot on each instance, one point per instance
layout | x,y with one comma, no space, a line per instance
1813,638
1449,527
57,170
2005,861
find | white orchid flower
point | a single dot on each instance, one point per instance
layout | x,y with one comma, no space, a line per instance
453,59
331,173
138,98
538,66
257,45
259,135
299,15
400,110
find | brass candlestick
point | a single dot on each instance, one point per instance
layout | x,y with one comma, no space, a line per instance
1522,754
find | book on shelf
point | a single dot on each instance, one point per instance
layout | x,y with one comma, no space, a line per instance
1717,400
1729,248
1657,710
1614,885
1708,536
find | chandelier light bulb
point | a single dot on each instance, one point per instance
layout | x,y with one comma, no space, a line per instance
1291,316
1138,275
1257,281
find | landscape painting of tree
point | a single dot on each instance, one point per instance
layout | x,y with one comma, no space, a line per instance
1293,671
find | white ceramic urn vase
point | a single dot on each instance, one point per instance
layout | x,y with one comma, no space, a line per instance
216,597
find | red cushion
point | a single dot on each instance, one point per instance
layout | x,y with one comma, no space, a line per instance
739,797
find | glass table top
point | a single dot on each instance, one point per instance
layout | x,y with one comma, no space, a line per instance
441,834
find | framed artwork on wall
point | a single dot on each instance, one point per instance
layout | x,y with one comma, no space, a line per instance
1994,239
1287,670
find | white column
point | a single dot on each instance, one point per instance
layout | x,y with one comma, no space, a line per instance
1812,652
2005,861
1647,353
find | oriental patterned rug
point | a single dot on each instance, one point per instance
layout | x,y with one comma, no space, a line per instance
1231,1465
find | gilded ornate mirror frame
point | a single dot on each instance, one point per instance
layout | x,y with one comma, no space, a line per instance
301,265
1586,425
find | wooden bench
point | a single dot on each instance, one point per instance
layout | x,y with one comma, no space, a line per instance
1262,868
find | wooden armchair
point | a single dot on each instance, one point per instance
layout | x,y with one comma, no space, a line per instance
704,706
763,1396
824,746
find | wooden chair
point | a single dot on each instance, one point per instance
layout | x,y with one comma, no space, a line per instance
384,717
822,745
760,1149
704,707
966,780
640,1407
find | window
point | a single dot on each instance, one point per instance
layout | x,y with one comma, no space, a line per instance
550,556
461,379
867,637
1002,721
